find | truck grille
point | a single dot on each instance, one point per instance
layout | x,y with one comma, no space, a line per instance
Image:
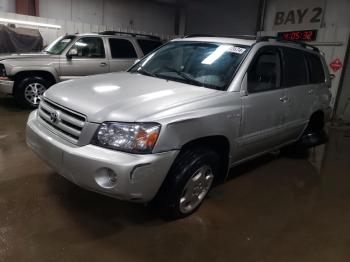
64,122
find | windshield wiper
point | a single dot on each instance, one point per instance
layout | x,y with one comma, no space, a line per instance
184,75
145,72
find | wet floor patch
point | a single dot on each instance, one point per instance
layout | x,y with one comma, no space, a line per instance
275,208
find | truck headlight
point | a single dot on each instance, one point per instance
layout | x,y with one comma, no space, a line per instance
129,137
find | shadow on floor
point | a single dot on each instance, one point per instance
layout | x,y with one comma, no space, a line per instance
8,103
102,215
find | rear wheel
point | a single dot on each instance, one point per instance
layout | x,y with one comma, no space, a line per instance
314,134
188,183
28,91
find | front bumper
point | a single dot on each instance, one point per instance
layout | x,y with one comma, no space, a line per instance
6,86
138,179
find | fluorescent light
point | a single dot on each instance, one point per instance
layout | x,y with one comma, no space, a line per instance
15,21
216,54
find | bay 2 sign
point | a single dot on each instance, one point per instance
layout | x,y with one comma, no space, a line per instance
298,14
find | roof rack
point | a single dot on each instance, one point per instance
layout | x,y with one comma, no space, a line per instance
246,37
197,35
128,33
278,39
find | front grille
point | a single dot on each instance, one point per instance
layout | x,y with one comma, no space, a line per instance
63,121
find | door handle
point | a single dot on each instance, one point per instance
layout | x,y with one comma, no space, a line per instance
284,99
103,64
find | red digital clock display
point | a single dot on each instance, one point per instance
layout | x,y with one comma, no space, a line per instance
304,35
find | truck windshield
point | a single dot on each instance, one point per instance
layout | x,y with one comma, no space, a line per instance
205,64
57,47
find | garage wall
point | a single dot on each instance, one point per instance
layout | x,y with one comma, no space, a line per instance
343,106
336,12
7,6
222,17
129,14
332,38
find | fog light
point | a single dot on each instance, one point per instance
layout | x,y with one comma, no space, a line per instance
106,178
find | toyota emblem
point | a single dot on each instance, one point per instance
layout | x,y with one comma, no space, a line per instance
54,117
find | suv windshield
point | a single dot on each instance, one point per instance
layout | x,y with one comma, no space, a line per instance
205,64
57,47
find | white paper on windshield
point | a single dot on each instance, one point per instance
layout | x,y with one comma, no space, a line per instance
236,49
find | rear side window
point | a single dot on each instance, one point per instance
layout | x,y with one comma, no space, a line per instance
295,68
147,46
316,69
122,48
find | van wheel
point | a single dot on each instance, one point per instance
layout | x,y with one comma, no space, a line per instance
188,182
28,91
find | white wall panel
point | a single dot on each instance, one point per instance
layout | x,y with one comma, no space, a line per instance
7,6
336,13
127,14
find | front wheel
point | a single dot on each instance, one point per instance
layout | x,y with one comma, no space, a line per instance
188,182
28,91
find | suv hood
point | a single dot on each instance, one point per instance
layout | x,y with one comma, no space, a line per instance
123,96
39,55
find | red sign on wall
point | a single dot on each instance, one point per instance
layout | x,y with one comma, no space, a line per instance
336,65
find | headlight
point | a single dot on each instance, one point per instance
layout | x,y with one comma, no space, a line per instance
129,137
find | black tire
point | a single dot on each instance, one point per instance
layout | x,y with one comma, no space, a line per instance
185,166
23,85
314,135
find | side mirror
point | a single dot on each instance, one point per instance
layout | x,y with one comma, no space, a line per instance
72,52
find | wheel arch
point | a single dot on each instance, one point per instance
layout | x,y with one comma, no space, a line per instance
49,76
316,120
218,143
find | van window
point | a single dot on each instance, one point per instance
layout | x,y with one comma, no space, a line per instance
295,68
147,46
264,74
122,48
316,69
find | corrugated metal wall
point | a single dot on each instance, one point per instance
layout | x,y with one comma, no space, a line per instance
7,6
222,17
70,27
127,14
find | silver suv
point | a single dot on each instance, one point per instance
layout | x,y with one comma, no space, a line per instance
28,76
165,131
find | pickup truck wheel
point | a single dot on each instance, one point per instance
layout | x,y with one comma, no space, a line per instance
188,182
29,90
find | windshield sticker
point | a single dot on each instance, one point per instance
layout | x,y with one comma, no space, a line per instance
220,51
236,49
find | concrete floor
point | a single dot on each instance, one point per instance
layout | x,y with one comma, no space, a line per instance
290,208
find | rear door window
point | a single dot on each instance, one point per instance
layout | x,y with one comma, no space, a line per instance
316,69
122,48
147,46
295,68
